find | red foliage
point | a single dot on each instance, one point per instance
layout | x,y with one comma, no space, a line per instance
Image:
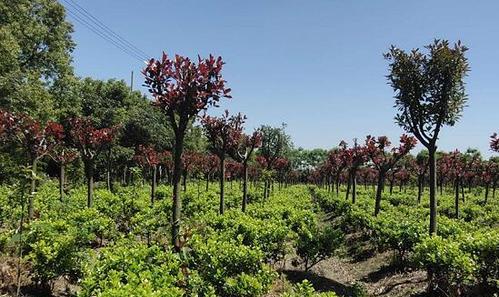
28,133
191,161
224,133
90,140
261,161
281,164
245,146
384,158
209,164
146,156
180,85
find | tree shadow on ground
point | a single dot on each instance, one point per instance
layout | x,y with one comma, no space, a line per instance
320,283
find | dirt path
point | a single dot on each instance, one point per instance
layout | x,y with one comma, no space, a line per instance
360,269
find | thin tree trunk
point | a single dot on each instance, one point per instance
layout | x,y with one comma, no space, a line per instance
433,186
245,186
34,164
90,183
177,203
486,193
456,198
349,183
354,187
108,174
379,190
61,182
420,188
153,184
222,185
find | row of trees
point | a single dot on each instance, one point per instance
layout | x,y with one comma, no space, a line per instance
376,161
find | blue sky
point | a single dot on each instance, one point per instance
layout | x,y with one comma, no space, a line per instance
315,65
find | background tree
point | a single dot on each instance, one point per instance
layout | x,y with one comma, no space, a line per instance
148,158
89,141
63,154
224,134
384,158
36,141
182,89
494,142
35,46
421,167
353,158
430,93
242,153
275,144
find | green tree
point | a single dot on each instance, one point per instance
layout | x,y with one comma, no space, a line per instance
429,93
275,144
36,46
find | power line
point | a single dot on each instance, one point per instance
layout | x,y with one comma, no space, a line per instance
92,23
103,26
106,38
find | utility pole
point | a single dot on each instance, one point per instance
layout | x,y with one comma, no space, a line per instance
131,82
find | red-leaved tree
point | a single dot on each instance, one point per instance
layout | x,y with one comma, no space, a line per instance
242,153
148,158
182,89
384,158
36,141
223,134
354,158
89,141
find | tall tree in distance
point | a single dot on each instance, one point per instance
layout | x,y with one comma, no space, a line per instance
224,134
275,144
182,89
429,93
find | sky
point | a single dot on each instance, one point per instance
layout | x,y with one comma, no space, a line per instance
317,66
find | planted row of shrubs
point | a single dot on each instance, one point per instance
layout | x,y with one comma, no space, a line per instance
121,247
462,259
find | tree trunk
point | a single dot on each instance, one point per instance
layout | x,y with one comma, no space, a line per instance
486,193
108,174
462,192
177,203
34,164
433,186
89,169
420,188
245,186
379,190
222,185
349,183
456,198
338,185
153,184
354,187
61,182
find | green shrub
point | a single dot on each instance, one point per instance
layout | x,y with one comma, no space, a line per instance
232,268
316,244
449,267
133,269
53,250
